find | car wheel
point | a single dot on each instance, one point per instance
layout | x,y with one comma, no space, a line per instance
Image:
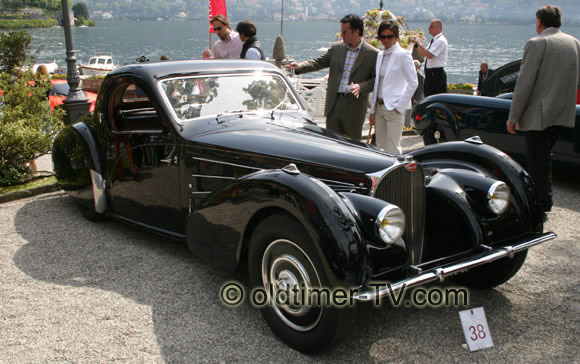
282,255
434,135
494,273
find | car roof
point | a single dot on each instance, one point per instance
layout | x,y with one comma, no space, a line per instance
165,69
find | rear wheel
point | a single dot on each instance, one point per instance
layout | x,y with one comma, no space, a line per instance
283,256
434,134
494,273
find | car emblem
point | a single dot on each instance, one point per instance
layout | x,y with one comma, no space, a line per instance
411,167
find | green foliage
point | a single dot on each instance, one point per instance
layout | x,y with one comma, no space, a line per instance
86,22
14,50
28,23
81,10
460,86
28,125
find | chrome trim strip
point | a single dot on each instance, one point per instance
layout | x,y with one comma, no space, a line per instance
227,163
441,273
208,176
346,184
201,193
99,196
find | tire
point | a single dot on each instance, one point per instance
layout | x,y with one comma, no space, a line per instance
430,135
492,274
281,249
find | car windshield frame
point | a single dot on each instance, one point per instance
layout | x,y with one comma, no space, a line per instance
295,99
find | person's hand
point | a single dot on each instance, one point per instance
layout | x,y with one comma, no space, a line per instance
206,53
292,66
355,89
396,111
372,119
511,127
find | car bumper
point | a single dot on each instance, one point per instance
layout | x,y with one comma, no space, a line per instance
440,273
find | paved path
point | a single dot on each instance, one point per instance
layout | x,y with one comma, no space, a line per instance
76,291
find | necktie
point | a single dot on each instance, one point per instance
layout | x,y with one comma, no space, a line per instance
431,42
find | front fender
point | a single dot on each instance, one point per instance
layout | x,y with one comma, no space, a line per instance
436,113
489,162
222,224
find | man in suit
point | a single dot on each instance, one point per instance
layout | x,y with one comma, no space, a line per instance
544,100
351,78
395,84
484,73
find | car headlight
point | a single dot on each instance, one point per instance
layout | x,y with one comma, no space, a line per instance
390,223
498,197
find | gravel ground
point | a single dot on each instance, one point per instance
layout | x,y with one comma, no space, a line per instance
76,291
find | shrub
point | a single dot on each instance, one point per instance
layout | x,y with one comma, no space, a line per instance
28,124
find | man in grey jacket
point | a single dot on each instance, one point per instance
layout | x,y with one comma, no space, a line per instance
351,78
544,100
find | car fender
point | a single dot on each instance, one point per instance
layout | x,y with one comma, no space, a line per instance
431,117
222,224
78,167
490,162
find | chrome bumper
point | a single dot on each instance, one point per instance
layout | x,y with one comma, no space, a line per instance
439,274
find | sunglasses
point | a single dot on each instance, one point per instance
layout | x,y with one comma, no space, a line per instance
217,29
388,36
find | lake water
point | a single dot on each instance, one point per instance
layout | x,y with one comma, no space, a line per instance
469,44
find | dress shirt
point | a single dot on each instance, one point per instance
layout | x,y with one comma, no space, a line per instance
349,61
438,48
383,70
253,53
230,49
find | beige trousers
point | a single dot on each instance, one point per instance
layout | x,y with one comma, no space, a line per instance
389,129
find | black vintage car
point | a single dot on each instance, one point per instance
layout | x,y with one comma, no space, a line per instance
447,117
223,155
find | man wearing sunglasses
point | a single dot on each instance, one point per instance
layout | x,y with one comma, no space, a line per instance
436,59
229,45
395,83
351,78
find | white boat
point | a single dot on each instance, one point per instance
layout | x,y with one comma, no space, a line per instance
98,65
50,67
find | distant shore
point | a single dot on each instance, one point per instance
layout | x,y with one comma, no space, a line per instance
38,23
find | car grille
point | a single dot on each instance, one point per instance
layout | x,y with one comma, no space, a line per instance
406,189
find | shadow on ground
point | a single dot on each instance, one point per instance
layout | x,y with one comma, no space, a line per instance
189,320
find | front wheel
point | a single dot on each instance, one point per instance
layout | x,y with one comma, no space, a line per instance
282,256
494,273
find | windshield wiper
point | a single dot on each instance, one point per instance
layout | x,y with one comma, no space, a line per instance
233,113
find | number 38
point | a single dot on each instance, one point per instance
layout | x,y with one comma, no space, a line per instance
477,332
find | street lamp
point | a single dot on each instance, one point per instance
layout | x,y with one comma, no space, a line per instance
76,103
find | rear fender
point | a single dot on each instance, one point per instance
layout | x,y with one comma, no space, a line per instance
222,224
439,114
78,166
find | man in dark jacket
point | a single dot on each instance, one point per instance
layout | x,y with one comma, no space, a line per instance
484,73
252,49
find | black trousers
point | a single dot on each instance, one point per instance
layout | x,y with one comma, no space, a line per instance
539,144
435,81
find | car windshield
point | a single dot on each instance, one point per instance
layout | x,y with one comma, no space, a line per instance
195,97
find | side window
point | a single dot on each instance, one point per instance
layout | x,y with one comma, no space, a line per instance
132,110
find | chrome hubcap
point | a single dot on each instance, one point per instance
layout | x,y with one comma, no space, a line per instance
437,135
288,274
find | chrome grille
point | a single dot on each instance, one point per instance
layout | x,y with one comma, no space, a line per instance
406,189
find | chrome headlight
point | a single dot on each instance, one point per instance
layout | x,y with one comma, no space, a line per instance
498,197
390,224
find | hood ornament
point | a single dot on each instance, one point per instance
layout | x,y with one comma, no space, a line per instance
291,169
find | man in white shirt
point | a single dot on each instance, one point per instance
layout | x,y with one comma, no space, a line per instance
436,59
229,45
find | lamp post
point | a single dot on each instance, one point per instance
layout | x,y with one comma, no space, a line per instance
76,103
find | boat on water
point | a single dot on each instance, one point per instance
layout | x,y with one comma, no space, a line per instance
98,65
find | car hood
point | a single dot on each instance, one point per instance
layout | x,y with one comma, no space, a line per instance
299,142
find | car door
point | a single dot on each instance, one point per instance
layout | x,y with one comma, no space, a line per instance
143,167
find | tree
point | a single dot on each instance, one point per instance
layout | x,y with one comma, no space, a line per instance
15,50
81,11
